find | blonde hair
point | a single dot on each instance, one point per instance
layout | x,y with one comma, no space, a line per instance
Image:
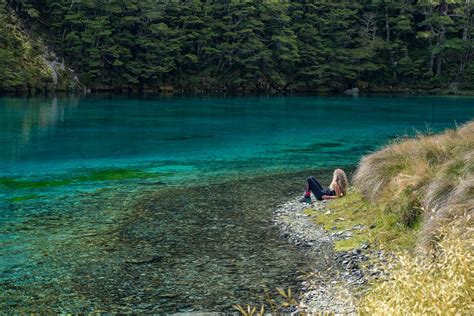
339,177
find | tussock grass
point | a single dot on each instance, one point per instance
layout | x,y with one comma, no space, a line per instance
429,177
439,285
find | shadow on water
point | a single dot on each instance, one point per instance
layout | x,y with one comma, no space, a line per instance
191,248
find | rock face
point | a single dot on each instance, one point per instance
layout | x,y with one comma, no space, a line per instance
30,65
63,78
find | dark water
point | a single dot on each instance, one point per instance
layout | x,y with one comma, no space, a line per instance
164,204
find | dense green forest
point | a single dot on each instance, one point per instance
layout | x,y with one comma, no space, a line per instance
375,45
21,64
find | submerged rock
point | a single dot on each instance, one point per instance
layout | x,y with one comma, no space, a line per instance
152,183
150,259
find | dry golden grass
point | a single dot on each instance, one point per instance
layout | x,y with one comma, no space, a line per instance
439,285
429,177
278,305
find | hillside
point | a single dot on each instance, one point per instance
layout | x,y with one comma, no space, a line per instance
268,46
27,65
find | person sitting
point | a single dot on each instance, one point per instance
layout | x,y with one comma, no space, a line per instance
337,188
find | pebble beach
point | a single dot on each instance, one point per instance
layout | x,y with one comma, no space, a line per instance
338,277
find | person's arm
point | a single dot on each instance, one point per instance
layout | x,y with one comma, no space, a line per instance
338,190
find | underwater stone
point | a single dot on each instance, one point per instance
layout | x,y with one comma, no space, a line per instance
150,259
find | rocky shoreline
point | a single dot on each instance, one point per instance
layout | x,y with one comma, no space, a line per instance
337,278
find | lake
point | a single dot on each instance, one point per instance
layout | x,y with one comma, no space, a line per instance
164,204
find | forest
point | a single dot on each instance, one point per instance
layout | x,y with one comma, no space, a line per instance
245,46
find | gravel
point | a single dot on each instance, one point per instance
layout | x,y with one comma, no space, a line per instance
335,276
323,290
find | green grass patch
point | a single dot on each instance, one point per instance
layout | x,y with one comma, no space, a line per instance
380,228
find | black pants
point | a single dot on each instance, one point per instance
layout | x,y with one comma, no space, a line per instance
316,188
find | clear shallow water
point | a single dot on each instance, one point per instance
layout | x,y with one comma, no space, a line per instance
93,188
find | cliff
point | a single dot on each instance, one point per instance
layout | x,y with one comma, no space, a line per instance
27,63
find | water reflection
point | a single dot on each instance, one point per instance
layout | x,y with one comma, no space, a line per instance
28,121
38,131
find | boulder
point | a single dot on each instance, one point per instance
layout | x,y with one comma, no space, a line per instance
352,92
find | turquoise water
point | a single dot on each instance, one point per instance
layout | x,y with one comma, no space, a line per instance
67,137
86,182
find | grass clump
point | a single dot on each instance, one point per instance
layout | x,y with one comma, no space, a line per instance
441,284
427,180
428,177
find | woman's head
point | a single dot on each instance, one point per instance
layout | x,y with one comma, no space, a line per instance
340,178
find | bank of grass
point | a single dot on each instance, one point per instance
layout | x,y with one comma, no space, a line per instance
410,190
428,177
421,192
376,227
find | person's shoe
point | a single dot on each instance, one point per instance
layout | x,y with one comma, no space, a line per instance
306,198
